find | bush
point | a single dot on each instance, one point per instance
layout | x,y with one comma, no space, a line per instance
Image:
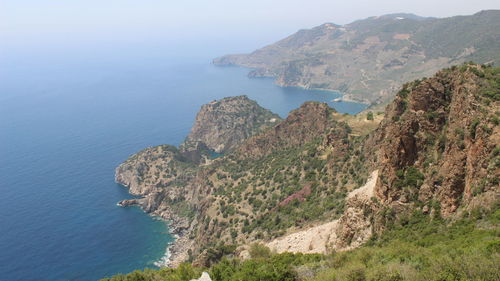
369,115
258,251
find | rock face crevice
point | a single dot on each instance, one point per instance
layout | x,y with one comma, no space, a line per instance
434,148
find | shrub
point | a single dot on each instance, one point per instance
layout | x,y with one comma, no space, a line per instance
259,251
369,115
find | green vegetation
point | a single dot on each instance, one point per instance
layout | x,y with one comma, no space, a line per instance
410,177
416,247
250,193
257,194
491,85
425,248
369,115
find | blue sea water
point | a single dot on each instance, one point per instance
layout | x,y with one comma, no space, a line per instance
66,122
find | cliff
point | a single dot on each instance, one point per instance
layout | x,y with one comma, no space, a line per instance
319,174
171,180
436,151
223,125
443,142
370,59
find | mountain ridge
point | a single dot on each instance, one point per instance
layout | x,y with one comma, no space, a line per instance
435,150
369,59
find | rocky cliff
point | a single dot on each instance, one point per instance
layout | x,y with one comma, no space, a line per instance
171,180
369,59
154,168
310,121
223,125
437,151
341,177
443,142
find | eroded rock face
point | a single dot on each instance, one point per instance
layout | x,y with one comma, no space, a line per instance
310,121
355,225
153,169
437,147
352,229
437,142
224,124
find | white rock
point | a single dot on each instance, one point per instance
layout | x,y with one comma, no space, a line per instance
204,277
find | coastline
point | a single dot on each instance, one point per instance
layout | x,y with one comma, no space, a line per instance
176,252
252,73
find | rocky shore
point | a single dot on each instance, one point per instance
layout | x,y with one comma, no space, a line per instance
178,226
160,174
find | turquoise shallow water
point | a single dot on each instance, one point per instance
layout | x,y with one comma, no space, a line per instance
67,121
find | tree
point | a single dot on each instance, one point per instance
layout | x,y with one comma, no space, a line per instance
369,115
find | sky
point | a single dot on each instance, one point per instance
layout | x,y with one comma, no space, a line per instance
243,25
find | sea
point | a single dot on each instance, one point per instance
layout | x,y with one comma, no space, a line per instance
68,119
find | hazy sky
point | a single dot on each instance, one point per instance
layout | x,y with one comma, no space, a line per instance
260,21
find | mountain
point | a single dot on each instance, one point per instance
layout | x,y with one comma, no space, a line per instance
422,178
369,59
223,125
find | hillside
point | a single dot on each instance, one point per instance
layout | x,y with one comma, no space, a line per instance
321,182
419,249
369,59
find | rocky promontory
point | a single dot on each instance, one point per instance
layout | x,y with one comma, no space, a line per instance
163,174
223,125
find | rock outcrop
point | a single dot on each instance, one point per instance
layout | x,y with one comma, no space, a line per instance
154,168
437,151
438,141
224,124
310,121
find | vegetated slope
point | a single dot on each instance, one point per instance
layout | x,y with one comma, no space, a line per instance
369,59
162,174
419,248
290,176
438,158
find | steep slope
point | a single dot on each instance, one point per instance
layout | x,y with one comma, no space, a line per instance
223,125
369,59
163,174
435,153
443,142
280,179
257,190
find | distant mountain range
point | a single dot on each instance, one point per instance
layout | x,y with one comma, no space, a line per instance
369,59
